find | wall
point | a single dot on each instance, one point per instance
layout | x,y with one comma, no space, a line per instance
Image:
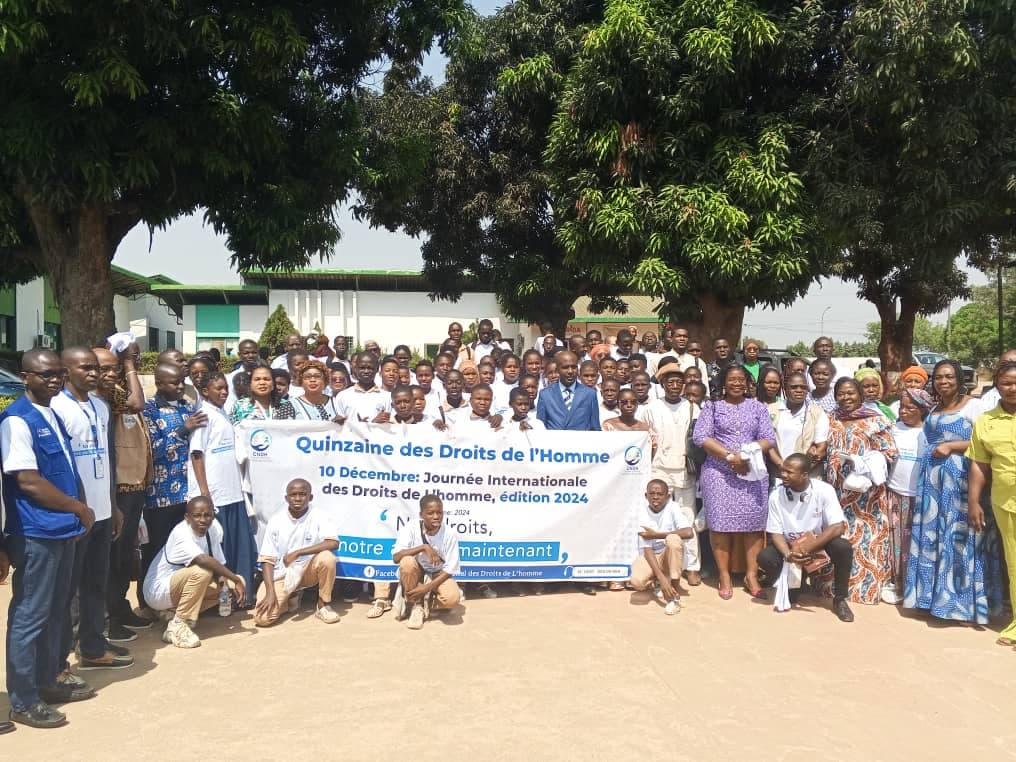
147,312
30,301
189,345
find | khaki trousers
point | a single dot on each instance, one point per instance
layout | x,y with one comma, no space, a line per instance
671,561
320,571
411,574
193,590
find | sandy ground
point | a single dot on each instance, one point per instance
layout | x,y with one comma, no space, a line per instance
558,677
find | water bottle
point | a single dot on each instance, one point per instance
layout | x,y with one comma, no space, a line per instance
225,600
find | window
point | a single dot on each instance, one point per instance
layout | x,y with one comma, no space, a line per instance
170,339
153,339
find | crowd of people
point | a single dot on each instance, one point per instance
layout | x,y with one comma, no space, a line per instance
801,476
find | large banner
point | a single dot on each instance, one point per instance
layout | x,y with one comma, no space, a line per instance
534,505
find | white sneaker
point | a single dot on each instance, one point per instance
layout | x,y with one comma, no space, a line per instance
415,618
672,608
327,614
658,593
889,595
181,635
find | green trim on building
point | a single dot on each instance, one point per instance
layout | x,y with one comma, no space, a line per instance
8,302
217,321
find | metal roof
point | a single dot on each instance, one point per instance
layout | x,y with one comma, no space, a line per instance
177,295
343,280
128,283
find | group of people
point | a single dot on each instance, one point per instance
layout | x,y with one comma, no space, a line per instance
806,473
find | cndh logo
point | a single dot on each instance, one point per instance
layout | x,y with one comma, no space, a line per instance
260,440
633,455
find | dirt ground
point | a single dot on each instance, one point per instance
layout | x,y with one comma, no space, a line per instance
558,677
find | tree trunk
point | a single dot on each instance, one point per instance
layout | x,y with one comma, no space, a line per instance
720,319
77,250
896,347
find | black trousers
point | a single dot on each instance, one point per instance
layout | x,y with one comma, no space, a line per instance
121,554
160,522
840,553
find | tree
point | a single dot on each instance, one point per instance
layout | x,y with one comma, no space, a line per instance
463,164
911,130
277,328
671,153
119,113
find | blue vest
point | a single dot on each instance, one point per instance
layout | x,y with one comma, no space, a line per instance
24,516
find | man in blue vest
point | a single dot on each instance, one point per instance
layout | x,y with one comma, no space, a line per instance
45,516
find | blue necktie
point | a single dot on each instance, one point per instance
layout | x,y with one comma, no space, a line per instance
567,393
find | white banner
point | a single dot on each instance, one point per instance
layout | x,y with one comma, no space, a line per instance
535,505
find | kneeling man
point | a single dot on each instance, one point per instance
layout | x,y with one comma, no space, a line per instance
805,520
663,528
426,548
188,571
296,553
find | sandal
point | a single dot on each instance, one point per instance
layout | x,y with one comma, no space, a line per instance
725,594
1007,642
378,608
616,587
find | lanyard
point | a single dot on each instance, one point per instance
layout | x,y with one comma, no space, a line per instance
93,421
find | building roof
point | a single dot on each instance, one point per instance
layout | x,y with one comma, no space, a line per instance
641,309
128,283
342,280
176,295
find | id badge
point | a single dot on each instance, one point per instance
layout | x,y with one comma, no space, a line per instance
100,468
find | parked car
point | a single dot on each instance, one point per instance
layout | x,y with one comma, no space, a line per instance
10,384
928,360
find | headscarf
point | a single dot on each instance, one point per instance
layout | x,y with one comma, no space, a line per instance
464,364
863,373
599,351
920,398
915,371
862,411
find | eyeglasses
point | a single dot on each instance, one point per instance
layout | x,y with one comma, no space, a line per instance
318,376
47,375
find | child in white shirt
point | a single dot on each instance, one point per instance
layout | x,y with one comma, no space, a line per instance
662,531
427,547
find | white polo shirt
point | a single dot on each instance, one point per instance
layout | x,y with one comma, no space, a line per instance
284,534
86,421
814,510
356,402
668,520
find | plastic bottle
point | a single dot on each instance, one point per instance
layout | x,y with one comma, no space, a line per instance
225,600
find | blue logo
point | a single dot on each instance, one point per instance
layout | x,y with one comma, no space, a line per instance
260,440
633,455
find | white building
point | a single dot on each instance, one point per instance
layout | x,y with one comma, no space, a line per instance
389,306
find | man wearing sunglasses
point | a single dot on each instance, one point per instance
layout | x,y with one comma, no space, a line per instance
45,517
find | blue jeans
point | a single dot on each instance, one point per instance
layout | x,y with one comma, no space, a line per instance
36,619
89,579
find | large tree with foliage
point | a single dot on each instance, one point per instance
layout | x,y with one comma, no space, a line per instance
463,163
120,113
912,133
672,161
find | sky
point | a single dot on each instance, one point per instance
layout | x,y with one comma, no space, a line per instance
189,251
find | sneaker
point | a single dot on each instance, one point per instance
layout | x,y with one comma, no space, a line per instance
672,607
181,635
889,595
65,693
487,591
69,678
108,660
416,618
842,610
40,715
658,593
134,622
327,614
399,604
119,633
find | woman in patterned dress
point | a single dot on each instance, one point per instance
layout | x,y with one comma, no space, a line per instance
313,404
952,572
734,506
261,402
857,430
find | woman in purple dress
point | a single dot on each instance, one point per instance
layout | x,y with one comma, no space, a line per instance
734,505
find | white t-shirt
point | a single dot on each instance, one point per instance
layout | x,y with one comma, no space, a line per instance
222,472
793,516
911,442
281,362
356,403
790,425
284,534
501,391
182,547
990,399
434,399
453,415
17,444
84,422
607,414
668,519
534,423
445,542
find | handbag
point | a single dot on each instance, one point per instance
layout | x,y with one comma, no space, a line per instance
819,560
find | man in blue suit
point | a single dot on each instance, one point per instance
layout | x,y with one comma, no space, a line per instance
567,405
